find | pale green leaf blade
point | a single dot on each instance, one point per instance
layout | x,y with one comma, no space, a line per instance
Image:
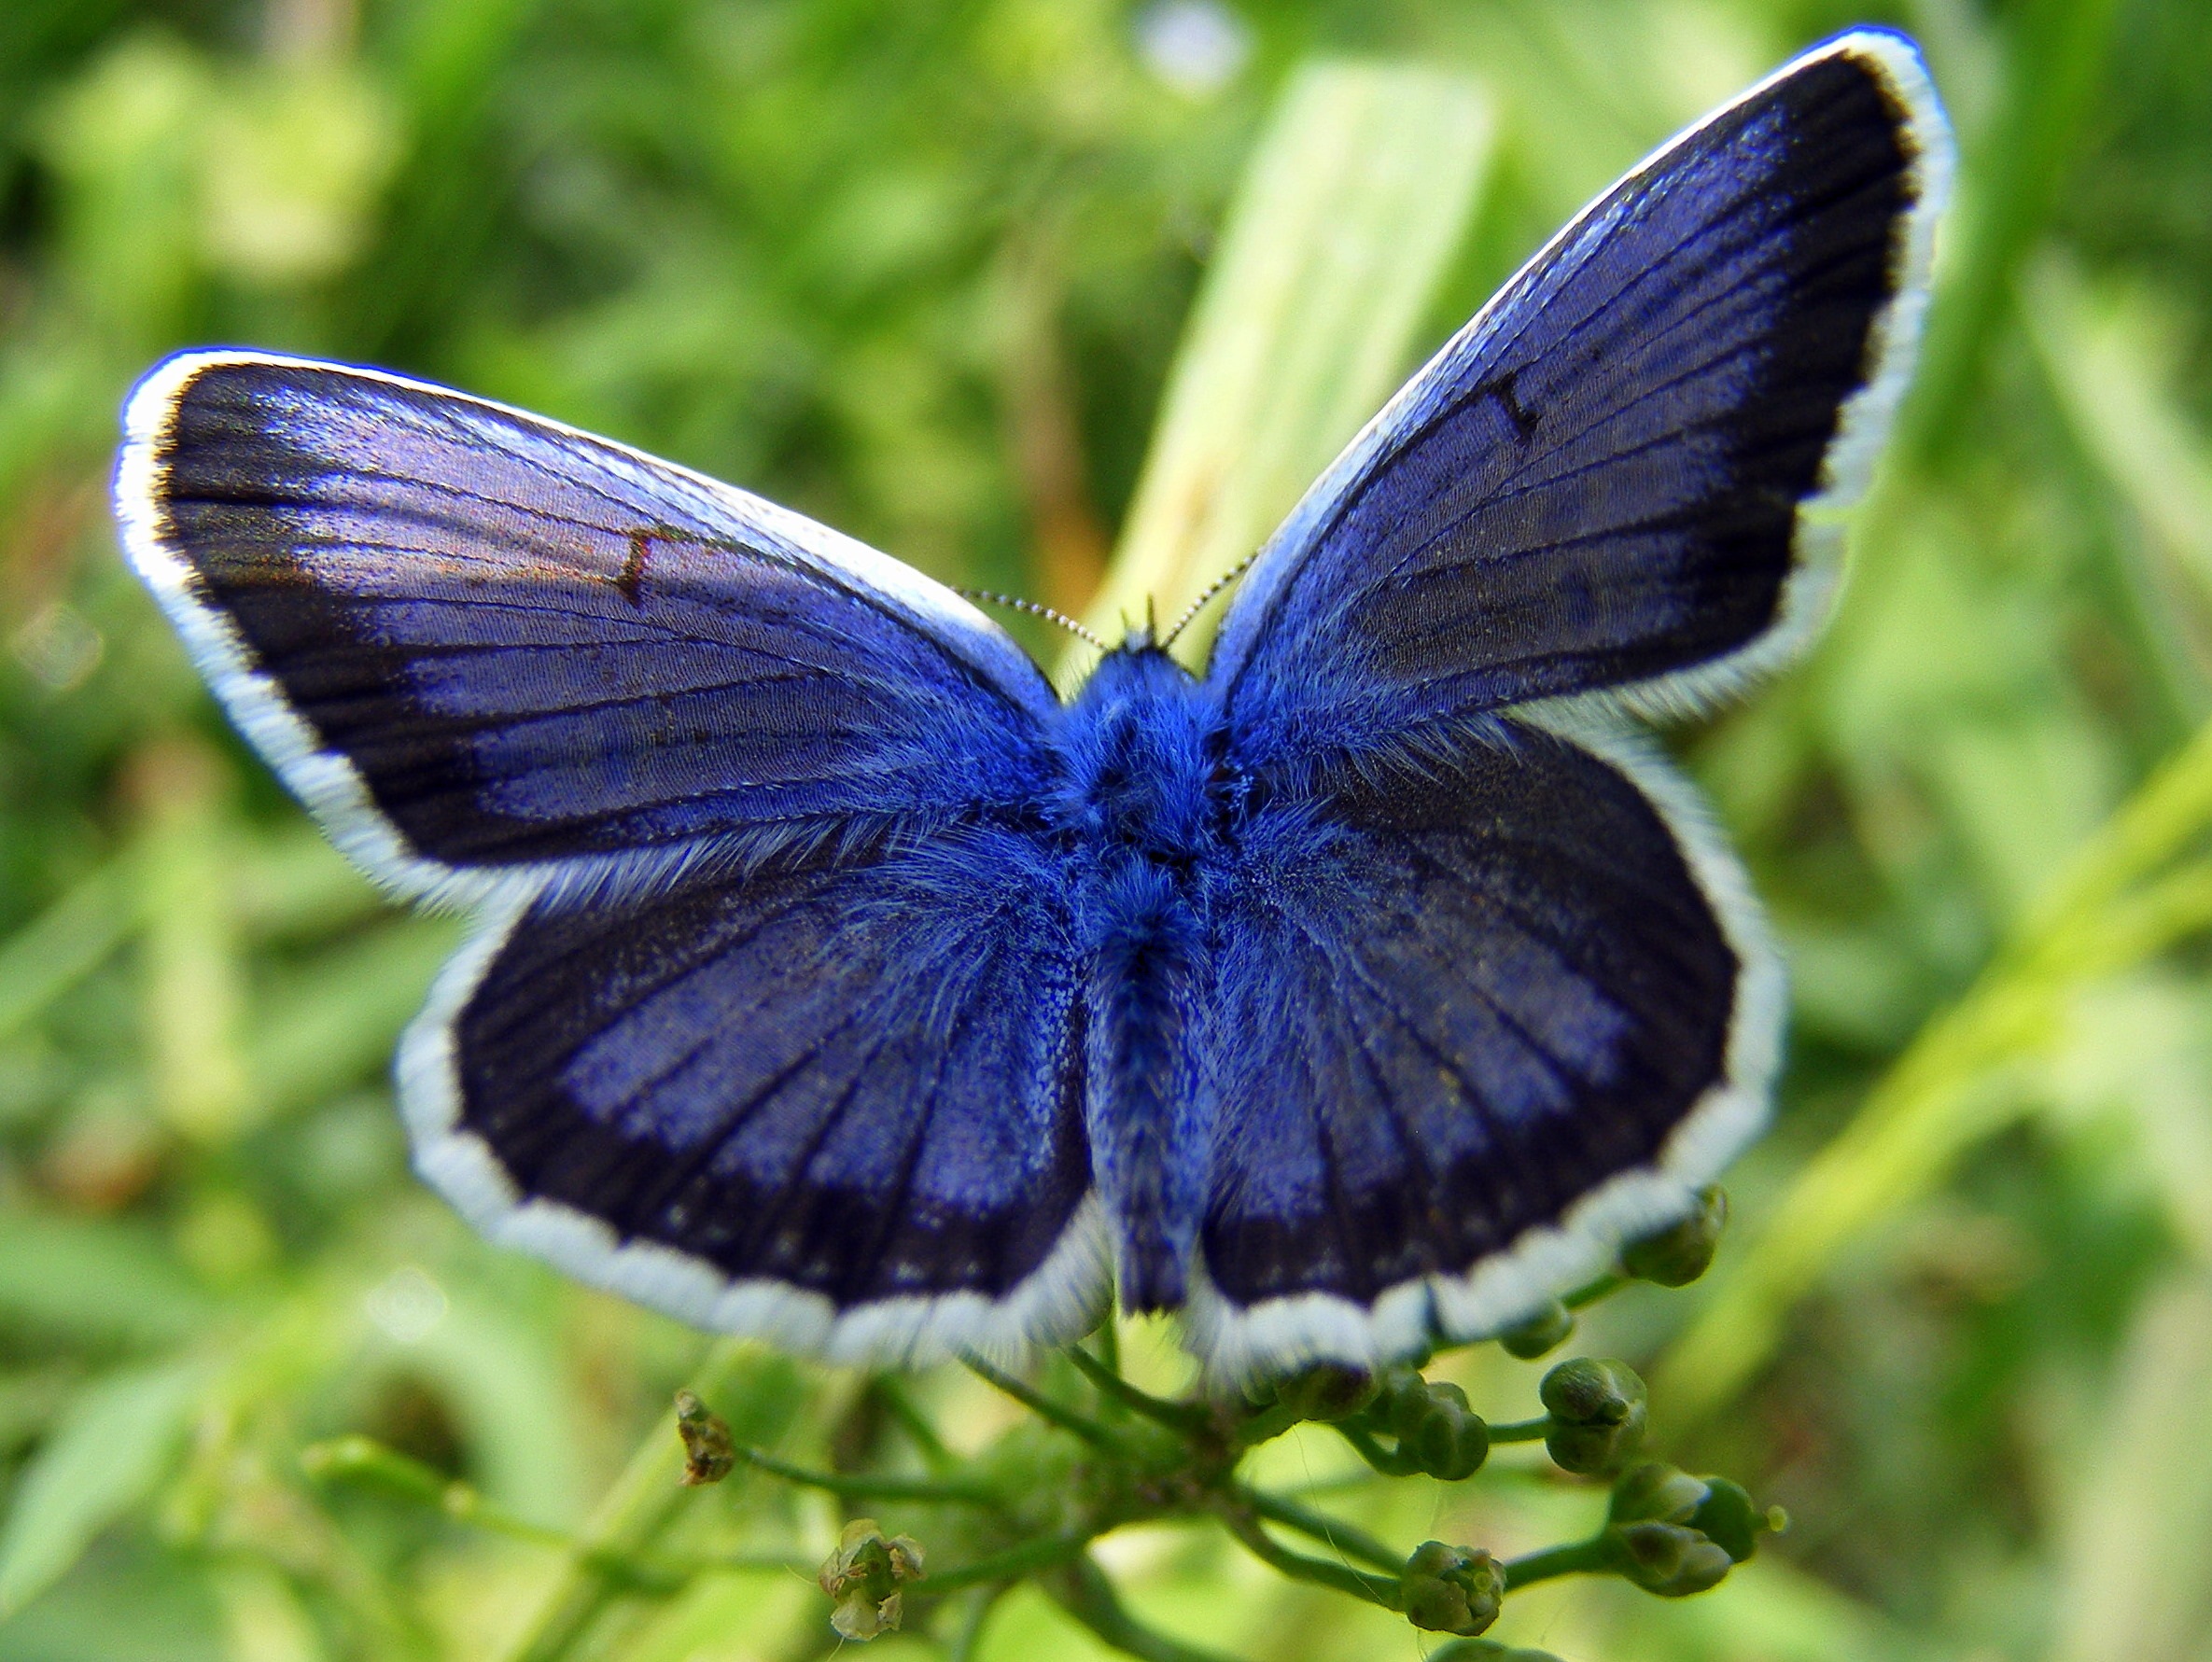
113,1446
1354,202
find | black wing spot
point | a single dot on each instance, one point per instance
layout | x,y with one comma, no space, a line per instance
1504,389
630,582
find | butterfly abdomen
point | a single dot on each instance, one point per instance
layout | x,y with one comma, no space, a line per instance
1141,809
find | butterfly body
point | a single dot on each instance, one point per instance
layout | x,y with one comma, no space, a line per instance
836,980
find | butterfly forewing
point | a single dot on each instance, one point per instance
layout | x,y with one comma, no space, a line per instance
1602,482
478,642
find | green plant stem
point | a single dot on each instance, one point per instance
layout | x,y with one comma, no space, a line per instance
973,1613
1334,1531
1044,1407
915,1424
1391,1462
1110,1346
1574,1558
1522,1431
1084,1591
861,1486
1590,1291
1240,1522
645,1501
1046,1553
1183,1416
365,1463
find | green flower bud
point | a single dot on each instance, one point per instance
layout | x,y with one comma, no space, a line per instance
864,1576
1401,1398
1728,1518
1659,1491
1486,1649
1677,1256
1545,1331
1330,1391
1598,1412
1451,1589
1449,1439
1670,1559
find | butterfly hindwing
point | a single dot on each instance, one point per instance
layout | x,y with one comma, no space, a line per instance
839,1105
1490,1017
1623,474
476,642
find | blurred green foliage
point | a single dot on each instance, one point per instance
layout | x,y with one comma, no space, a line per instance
920,270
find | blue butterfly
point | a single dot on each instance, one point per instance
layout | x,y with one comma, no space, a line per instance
836,981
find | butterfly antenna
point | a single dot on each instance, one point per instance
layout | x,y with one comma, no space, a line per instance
1050,616
1191,612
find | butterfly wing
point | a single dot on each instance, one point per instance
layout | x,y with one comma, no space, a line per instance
836,1104
1492,1000
1491,1017
769,1020
479,643
1624,474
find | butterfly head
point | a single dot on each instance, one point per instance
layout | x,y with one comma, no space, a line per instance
1142,748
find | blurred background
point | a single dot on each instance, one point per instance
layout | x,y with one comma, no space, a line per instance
920,267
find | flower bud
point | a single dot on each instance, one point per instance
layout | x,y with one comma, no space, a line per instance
865,1575
1657,1491
1449,1439
1331,1391
1545,1331
1670,1559
709,1451
1598,1411
1677,1256
1728,1518
1486,1649
1451,1589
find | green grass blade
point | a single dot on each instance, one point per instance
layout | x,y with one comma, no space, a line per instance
62,945
1340,231
115,1444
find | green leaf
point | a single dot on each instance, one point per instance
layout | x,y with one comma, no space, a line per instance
2138,1534
111,1449
64,944
335,1017
1340,231
93,1281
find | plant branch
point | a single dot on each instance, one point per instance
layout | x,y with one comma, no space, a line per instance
1521,1431
865,1485
915,1424
1182,1416
1084,1593
1044,1407
1391,1462
1574,1558
1046,1553
1241,1523
1346,1538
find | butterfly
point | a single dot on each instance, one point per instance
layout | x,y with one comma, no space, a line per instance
837,981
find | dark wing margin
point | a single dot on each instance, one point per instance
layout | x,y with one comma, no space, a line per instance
839,1108
1625,475
1480,1024
478,643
